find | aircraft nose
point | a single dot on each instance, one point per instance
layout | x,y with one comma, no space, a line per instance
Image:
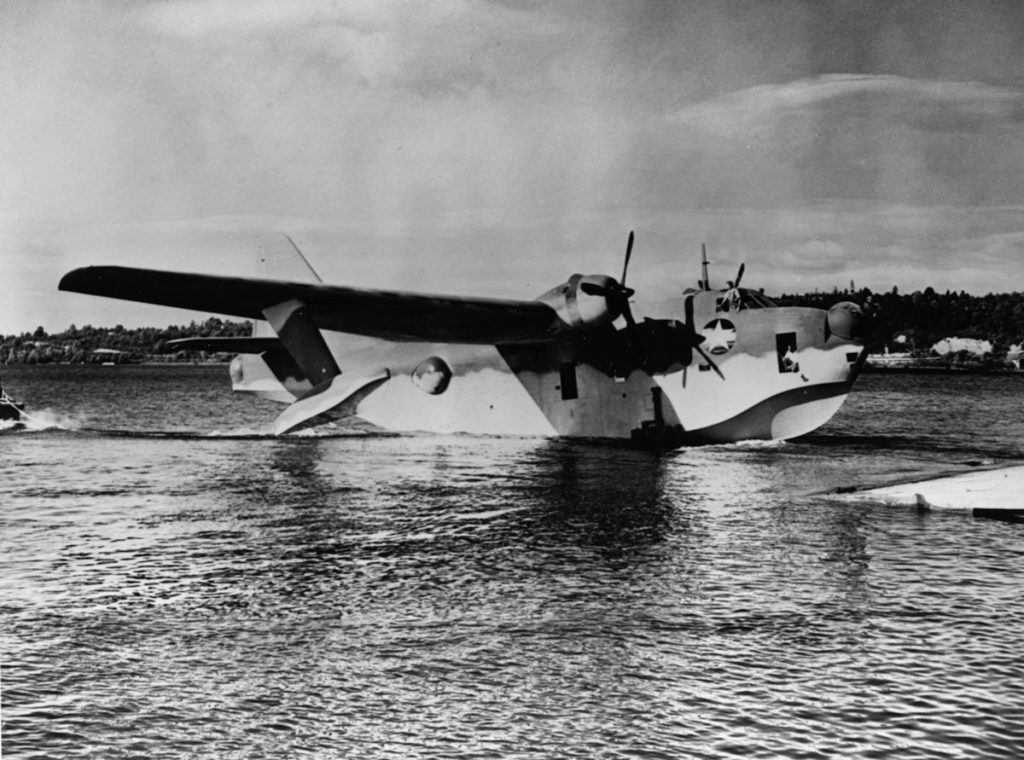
845,320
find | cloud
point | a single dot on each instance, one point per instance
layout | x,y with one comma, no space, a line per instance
743,111
815,256
351,111
371,44
873,138
202,19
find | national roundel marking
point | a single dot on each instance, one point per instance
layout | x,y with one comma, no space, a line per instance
720,335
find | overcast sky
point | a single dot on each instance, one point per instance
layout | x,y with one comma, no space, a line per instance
494,148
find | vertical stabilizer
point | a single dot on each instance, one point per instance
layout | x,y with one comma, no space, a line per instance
279,258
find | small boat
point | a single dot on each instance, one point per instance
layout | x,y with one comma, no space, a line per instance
9,408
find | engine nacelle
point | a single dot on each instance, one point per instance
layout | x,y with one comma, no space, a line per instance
845,320
432,375
580,310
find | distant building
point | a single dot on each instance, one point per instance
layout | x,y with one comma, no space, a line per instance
955,345
891,359
107,355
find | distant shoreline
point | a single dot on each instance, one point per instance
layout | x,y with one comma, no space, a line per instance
115,365
925,370
868,369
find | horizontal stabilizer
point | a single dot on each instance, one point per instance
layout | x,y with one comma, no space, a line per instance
239,345
331,400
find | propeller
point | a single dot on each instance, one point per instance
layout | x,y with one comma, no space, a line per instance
625,265
709,361
733,285
616,292
694,340
618,295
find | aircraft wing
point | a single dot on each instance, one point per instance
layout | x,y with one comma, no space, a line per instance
392,315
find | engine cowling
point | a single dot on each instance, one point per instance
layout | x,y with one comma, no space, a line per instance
579,310
432,375
845,320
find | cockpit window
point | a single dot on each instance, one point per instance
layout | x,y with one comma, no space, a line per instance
750,299
737,299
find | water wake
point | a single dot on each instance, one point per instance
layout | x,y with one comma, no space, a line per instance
44,419
241,432
753,443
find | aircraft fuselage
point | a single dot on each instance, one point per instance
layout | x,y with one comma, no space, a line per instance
757,371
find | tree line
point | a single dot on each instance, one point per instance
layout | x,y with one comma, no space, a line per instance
88,344
914,321
918,320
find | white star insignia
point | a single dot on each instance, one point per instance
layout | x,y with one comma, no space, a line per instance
720,335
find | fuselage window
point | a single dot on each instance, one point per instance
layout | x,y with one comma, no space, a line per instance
785,349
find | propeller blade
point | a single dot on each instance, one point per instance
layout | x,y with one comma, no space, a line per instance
627,313
710,362
616,291
625,266
739,275
692,336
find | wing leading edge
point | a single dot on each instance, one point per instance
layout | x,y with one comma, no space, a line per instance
392,315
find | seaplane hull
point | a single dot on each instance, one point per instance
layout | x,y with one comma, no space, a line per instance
499,404
528,391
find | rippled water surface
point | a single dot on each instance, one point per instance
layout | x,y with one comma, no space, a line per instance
177,583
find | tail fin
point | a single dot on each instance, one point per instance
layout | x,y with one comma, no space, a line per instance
278,258
299,355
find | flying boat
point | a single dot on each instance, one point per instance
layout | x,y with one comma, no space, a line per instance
574,362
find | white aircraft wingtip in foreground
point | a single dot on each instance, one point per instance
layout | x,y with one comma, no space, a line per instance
990,492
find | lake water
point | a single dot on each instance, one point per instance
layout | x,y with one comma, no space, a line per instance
178,583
